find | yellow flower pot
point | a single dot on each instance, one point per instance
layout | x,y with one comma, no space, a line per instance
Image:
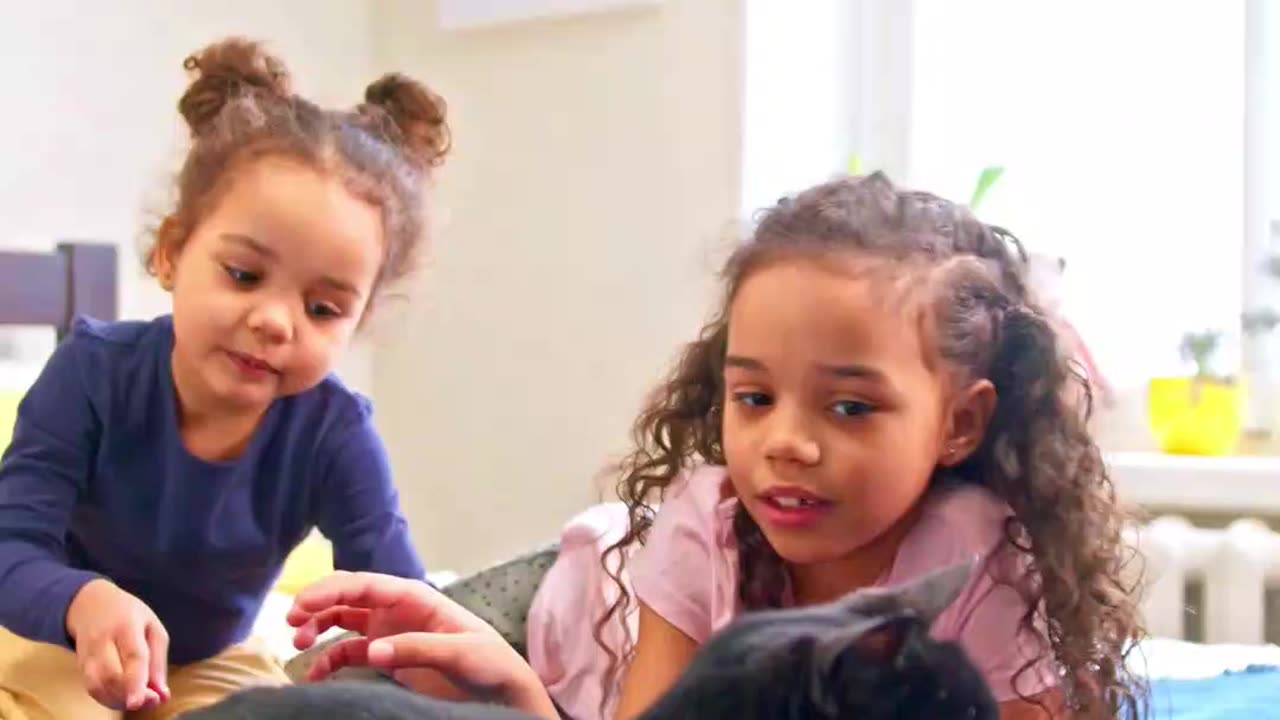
1194,416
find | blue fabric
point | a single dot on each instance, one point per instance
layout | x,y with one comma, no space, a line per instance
1252,694
97,483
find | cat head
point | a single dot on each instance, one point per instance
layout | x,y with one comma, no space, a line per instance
867,655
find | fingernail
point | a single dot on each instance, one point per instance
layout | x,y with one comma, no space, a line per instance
379,651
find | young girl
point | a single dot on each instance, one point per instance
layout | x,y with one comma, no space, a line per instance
879,397
160,472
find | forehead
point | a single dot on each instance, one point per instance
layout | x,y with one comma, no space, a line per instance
309,216
830,311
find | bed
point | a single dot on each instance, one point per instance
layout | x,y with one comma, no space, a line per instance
1224,668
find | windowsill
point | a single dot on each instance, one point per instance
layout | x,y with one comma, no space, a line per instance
1238,484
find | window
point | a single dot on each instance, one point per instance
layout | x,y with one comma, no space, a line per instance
1120,125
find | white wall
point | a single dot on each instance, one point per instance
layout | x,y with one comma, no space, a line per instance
595,176
595,173
90,133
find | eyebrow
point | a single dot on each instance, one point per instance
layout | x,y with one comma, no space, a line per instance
852,371
744,363
841,371
248,242
340,285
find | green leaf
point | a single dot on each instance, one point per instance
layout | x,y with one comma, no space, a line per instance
988,178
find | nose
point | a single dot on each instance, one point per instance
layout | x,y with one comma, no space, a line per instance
790,437
272,322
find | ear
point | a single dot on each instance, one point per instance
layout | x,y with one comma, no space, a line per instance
971,413
876,641
884,642
929,595
163,259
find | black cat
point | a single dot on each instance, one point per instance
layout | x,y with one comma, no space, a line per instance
867,656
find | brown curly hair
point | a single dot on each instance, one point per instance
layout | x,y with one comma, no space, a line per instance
240,107
1037,455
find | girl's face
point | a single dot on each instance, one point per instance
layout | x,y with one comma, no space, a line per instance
833,423
270,286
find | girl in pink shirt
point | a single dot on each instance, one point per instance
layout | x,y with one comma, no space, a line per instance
879,397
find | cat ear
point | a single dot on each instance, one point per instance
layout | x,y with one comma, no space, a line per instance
877,641
883,642
928,596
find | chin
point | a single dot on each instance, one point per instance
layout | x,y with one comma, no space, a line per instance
809,550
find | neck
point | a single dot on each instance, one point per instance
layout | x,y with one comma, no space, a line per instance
817,583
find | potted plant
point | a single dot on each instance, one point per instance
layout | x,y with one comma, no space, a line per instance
1199,414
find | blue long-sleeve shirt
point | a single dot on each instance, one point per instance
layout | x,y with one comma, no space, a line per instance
97,483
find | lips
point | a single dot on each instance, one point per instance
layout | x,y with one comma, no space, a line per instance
251,365
793,507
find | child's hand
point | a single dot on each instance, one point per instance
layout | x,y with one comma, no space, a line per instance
410,628
122,647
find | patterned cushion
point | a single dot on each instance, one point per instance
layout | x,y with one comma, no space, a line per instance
500,595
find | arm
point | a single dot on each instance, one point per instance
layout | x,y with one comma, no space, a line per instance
42,476
662,654
358,508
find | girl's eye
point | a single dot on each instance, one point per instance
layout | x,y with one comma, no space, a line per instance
752,399
852,408
323,310
241,277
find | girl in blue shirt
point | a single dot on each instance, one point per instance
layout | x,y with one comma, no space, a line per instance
160,472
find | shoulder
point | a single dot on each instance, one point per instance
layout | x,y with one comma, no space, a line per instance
333,413
102,341
960,524
698,500
686,570
967,519
111,357
121,333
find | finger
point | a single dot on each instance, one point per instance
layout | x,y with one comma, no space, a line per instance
442,651
364,590
158,653
355,619
102,672
464,659
374,591
131,642
348,653
150,699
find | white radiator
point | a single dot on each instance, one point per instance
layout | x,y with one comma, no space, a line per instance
1236,566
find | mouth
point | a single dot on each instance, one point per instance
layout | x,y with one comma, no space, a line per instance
793,507
252,365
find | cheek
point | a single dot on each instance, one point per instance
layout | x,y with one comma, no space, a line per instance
321,346
736,438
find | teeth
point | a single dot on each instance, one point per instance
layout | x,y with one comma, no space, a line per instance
792,502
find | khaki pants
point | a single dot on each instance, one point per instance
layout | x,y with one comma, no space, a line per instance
42,682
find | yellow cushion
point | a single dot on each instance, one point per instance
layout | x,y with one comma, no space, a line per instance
309,562
9,400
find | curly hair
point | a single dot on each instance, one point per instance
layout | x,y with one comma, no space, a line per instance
240,106
1037,456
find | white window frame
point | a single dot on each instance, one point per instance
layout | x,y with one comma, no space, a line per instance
875,103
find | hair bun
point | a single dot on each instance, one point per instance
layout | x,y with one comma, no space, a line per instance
226,70
417,113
